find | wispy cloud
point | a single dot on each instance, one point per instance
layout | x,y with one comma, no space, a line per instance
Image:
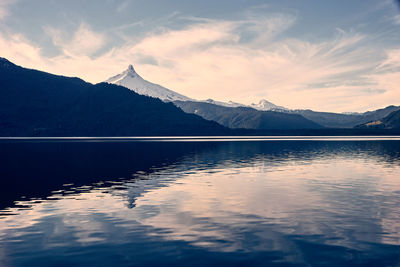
4,8
209,59
123,6
16,47
83,42
396,19
242,60
391,62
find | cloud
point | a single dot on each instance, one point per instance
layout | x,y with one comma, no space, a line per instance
123,6
84,41
396,19
242,60
4,8
209,60
146,59
17,47
22,51
391,62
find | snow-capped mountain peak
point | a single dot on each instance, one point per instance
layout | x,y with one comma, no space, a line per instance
130,71
132,80
266,105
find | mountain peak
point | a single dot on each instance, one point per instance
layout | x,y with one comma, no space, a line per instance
131,69
5,62
130,79
264,104
267,104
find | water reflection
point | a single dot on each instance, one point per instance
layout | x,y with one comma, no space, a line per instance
191,203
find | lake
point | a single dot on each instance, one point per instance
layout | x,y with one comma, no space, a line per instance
201,201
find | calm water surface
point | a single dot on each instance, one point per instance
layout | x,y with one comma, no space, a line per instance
168,202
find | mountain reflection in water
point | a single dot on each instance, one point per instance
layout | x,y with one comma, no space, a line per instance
194,203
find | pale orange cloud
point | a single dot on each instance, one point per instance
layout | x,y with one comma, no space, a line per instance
210,59
84,42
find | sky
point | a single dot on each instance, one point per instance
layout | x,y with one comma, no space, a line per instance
340,56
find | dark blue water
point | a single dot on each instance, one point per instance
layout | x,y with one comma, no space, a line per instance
171,202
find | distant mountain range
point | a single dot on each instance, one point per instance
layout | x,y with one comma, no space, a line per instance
341,120
129,78
391,121
35,103
254,116
246,117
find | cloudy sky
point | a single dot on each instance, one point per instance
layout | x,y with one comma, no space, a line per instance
341,55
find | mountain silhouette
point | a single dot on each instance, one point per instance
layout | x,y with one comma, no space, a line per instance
36,103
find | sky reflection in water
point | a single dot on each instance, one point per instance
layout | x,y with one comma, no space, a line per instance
254,203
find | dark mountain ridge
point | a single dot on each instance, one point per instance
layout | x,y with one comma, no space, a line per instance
36,103
392,121
340,120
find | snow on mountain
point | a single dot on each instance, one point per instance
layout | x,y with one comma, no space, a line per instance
224,104
263,105
130,79
266,105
